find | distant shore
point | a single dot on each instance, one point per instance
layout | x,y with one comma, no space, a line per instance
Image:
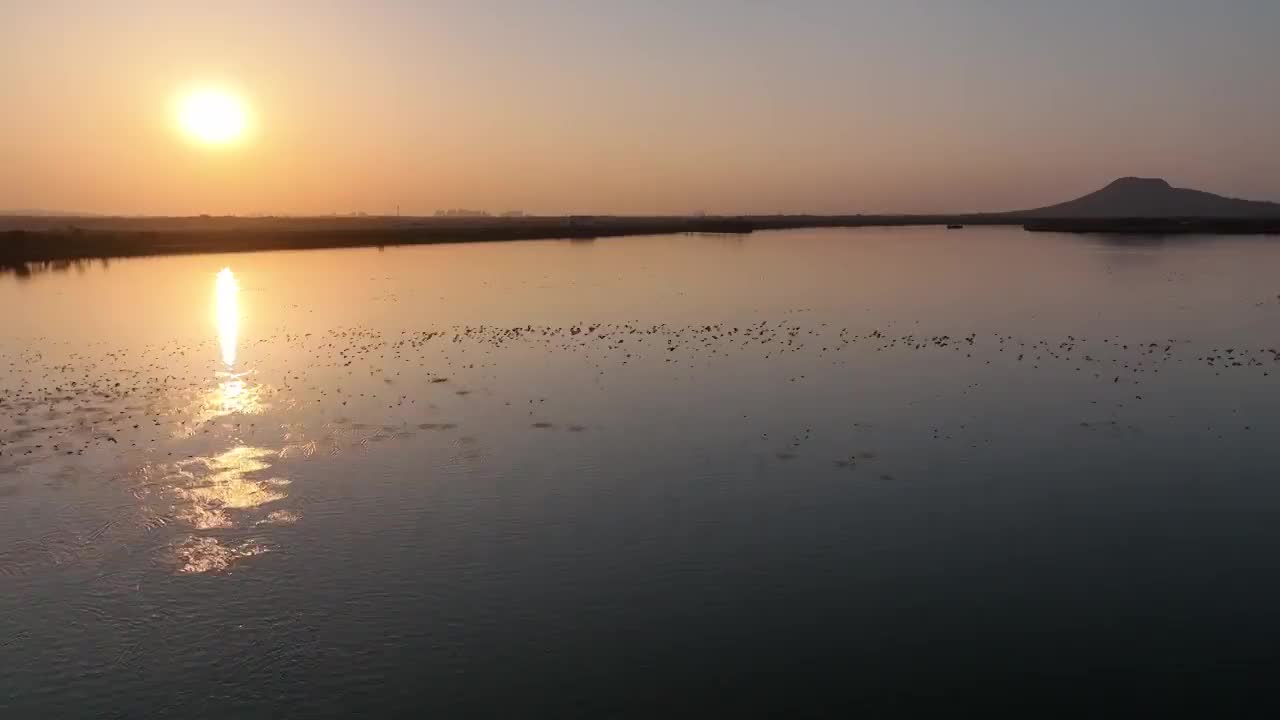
46,239
39,239
1158,226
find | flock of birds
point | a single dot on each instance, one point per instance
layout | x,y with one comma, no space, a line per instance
172,407
118,398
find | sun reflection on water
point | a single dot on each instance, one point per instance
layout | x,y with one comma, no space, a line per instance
233,393
227,314
211,486
227,490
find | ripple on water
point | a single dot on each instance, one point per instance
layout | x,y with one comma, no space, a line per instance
218,492
197,555
280,517
306,450
227,481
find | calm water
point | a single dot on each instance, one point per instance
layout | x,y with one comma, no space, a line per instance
813,471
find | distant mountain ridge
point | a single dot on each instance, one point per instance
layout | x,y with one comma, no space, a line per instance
1135,197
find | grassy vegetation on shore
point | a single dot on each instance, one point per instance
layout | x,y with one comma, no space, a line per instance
41,239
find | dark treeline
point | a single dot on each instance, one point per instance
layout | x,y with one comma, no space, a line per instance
28,240
46,240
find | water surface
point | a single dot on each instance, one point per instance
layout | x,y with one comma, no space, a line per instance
820,470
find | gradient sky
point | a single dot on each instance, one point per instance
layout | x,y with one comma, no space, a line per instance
637,107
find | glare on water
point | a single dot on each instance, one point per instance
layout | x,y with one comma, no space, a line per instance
233,394
227,309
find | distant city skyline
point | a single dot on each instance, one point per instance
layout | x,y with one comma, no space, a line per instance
631,107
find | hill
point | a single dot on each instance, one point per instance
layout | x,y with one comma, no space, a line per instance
1133,197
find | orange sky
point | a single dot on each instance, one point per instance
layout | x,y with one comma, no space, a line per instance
631,107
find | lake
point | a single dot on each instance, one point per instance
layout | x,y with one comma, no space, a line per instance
814,471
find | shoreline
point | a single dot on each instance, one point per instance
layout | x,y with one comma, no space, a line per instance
50,239
40,239
1157,226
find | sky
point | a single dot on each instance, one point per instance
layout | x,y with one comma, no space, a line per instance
651,106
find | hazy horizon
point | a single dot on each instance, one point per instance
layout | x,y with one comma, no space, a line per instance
1119,203
637,108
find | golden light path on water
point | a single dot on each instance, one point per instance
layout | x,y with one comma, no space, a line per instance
227,314
225,490
232,394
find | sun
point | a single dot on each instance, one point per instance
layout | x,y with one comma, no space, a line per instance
213,117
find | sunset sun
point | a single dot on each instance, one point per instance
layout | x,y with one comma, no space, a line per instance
212,117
